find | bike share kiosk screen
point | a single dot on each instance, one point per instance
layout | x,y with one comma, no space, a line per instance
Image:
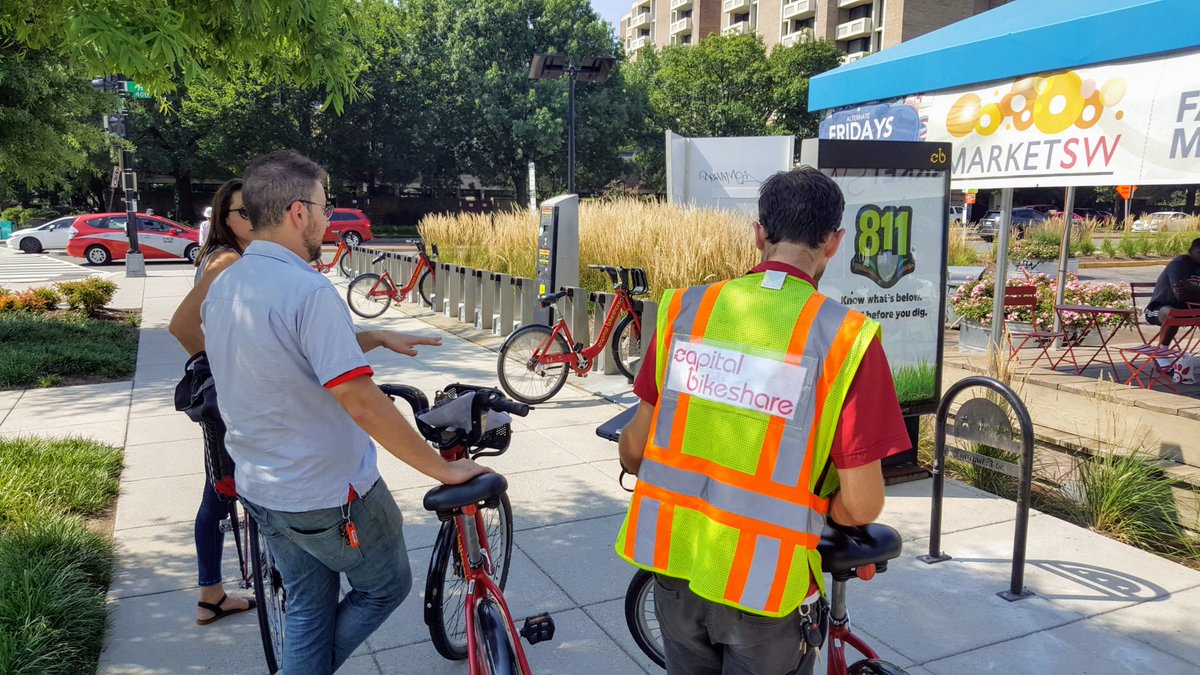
891,265
558,249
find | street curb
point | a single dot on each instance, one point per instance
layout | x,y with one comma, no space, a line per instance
1096,264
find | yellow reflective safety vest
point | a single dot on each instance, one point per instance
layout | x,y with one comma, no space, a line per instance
752,374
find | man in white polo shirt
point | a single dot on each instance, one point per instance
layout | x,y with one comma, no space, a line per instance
300,407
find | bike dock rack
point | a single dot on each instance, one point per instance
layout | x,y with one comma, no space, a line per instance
981,421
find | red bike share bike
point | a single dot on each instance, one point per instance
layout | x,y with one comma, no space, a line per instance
465,609
370,294
535,360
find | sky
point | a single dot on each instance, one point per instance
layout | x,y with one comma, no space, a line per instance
612,10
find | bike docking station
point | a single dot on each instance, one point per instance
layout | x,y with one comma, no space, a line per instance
891,265
983,422
558,251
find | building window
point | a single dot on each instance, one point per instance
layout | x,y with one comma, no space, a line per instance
860,12
859,45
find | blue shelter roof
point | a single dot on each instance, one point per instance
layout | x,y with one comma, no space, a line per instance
1019,38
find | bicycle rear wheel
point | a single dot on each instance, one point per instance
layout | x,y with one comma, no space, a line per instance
627,347
269,595
446,584
521,376
369,295
641,619
425,288
344,264
493,641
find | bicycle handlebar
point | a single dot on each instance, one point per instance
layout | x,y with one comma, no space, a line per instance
449,435
512,407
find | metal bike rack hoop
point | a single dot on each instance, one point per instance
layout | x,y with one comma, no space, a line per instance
981,420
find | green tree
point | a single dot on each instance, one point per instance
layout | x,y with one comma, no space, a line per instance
721,86
493,119
161,43
791,68
49,122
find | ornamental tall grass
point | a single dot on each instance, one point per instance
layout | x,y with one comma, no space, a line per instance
677,246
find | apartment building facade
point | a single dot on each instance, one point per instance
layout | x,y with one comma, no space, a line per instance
857,27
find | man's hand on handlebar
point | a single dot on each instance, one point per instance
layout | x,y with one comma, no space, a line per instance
461,471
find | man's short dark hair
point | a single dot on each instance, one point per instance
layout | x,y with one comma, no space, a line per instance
274,182
801,206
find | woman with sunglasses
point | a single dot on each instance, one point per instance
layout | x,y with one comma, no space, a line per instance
231,233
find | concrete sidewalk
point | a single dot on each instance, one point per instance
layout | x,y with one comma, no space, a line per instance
1101,607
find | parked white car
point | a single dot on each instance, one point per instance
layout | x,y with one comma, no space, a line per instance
1159,220
51,235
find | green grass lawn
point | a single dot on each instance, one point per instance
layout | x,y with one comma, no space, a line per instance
62,348
54,571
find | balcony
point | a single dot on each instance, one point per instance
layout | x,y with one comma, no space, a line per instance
639,20
735,5
680,5
739,28
854,56
638,43
802,35
799,9
641,3
854,29
847,4
683,25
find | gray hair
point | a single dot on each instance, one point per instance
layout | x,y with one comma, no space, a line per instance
274,181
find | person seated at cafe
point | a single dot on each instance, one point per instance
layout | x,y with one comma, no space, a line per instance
1178,285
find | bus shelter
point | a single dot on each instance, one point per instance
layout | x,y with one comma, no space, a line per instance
1036,93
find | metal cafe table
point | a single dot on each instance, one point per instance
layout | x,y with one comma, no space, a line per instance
1092,316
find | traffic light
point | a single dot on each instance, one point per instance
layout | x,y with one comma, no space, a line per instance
115,124
108,83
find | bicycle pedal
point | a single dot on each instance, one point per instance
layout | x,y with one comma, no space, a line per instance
538,628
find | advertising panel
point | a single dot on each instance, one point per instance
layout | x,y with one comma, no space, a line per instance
1126,122
890,267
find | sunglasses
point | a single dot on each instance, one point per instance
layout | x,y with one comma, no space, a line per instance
241,212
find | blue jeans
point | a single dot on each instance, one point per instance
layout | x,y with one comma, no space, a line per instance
311,555
210,540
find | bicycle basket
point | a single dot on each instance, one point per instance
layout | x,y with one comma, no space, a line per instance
452,420
638,285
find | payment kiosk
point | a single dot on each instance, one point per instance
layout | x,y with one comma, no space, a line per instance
558,249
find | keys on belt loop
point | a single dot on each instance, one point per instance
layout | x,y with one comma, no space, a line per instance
349,531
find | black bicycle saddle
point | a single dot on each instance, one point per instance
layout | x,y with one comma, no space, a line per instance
843,548
445,499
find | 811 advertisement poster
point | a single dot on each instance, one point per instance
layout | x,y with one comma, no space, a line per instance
889,267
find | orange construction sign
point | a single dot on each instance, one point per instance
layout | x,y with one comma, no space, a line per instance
1126,191
969,198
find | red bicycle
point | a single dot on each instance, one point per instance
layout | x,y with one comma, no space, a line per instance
370,294
535,360
465,609
341,260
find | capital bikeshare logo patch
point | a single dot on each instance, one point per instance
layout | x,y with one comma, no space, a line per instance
735,378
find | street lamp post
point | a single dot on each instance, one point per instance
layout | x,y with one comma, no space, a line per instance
590,69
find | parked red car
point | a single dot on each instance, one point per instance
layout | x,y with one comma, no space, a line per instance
100,238
349,224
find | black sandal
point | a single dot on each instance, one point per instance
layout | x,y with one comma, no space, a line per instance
218,612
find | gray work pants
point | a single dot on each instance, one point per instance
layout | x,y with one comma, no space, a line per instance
707,638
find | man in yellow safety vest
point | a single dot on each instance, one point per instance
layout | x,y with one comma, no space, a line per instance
750,391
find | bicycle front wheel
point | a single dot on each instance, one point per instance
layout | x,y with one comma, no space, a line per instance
493,641
641,619
369,295
344,264
627,347
522,376
446,584
425,288
269,595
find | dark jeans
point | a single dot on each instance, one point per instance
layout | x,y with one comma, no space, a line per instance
210,540
706,638
1156,316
